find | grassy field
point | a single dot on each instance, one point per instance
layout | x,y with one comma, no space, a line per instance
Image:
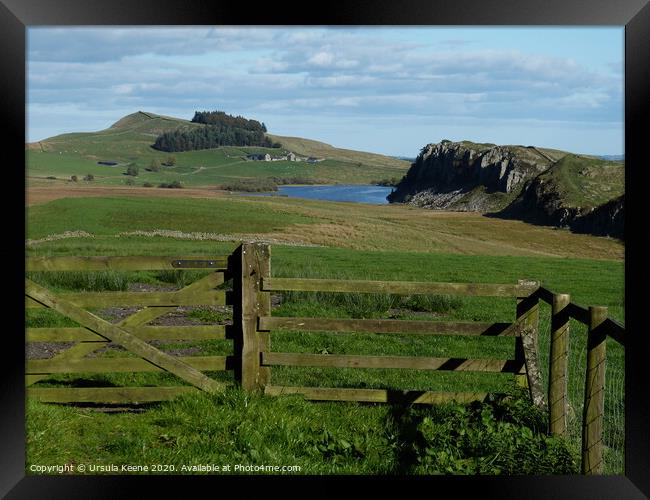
503,435
308,222
129,141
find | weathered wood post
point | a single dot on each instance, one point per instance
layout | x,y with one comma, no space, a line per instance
594,408
251,262
558,365
527,344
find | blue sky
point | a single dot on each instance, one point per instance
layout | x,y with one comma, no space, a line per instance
390,90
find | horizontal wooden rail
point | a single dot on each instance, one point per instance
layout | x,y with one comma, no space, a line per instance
127,299
398,287
615,330
412,362
376,395
103,365
578,313
267,323
140,263
108,395
203,332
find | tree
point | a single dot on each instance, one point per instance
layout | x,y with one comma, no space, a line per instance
154,166
74,178
132,170
89,177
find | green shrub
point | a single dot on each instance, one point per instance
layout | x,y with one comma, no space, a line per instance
154,166
504,435
89,177
171,185
132,170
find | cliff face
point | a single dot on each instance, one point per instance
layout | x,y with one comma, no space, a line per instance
539,186
459,175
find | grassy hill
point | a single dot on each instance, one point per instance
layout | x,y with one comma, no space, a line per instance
129,140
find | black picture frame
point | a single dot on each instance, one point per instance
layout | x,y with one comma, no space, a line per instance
17,15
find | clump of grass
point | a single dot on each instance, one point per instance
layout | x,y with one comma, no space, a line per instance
209,315
367,305
83,280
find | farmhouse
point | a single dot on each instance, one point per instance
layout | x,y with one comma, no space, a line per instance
288,157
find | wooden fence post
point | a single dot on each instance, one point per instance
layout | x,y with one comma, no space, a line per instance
251,262
594,407
558,365
527,345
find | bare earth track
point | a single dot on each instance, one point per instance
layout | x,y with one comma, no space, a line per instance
36,195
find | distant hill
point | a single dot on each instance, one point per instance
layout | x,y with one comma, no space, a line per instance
612,157
538,185
131,139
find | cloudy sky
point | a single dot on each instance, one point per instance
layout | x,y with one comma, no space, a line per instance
387,90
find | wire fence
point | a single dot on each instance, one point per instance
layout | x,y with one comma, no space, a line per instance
614,419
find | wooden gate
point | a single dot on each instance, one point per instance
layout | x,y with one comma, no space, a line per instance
131,333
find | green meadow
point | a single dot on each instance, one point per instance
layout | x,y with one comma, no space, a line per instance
503,435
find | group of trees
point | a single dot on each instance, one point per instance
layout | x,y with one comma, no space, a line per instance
220,130
221,118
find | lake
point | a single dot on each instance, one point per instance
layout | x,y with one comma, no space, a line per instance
359,193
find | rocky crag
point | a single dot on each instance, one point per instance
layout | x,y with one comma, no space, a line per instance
541,186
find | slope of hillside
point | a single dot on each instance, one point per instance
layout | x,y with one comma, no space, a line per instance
584,194
308,147
129,140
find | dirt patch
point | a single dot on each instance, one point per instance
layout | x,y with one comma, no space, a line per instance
36,195
46,350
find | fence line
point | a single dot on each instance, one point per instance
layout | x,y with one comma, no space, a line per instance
252,358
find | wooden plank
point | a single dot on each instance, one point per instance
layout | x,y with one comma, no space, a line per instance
409,362
594,406
108,395
615,330
254,264
117,365
528,317
76,351
579,313
376,395
122,337
382,326
202,332
127,299
399,287
137,263
558,399
144,316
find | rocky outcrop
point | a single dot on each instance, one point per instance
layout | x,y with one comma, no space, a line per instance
605,220
544,187
457,175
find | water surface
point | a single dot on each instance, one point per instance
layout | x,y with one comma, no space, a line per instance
360,193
